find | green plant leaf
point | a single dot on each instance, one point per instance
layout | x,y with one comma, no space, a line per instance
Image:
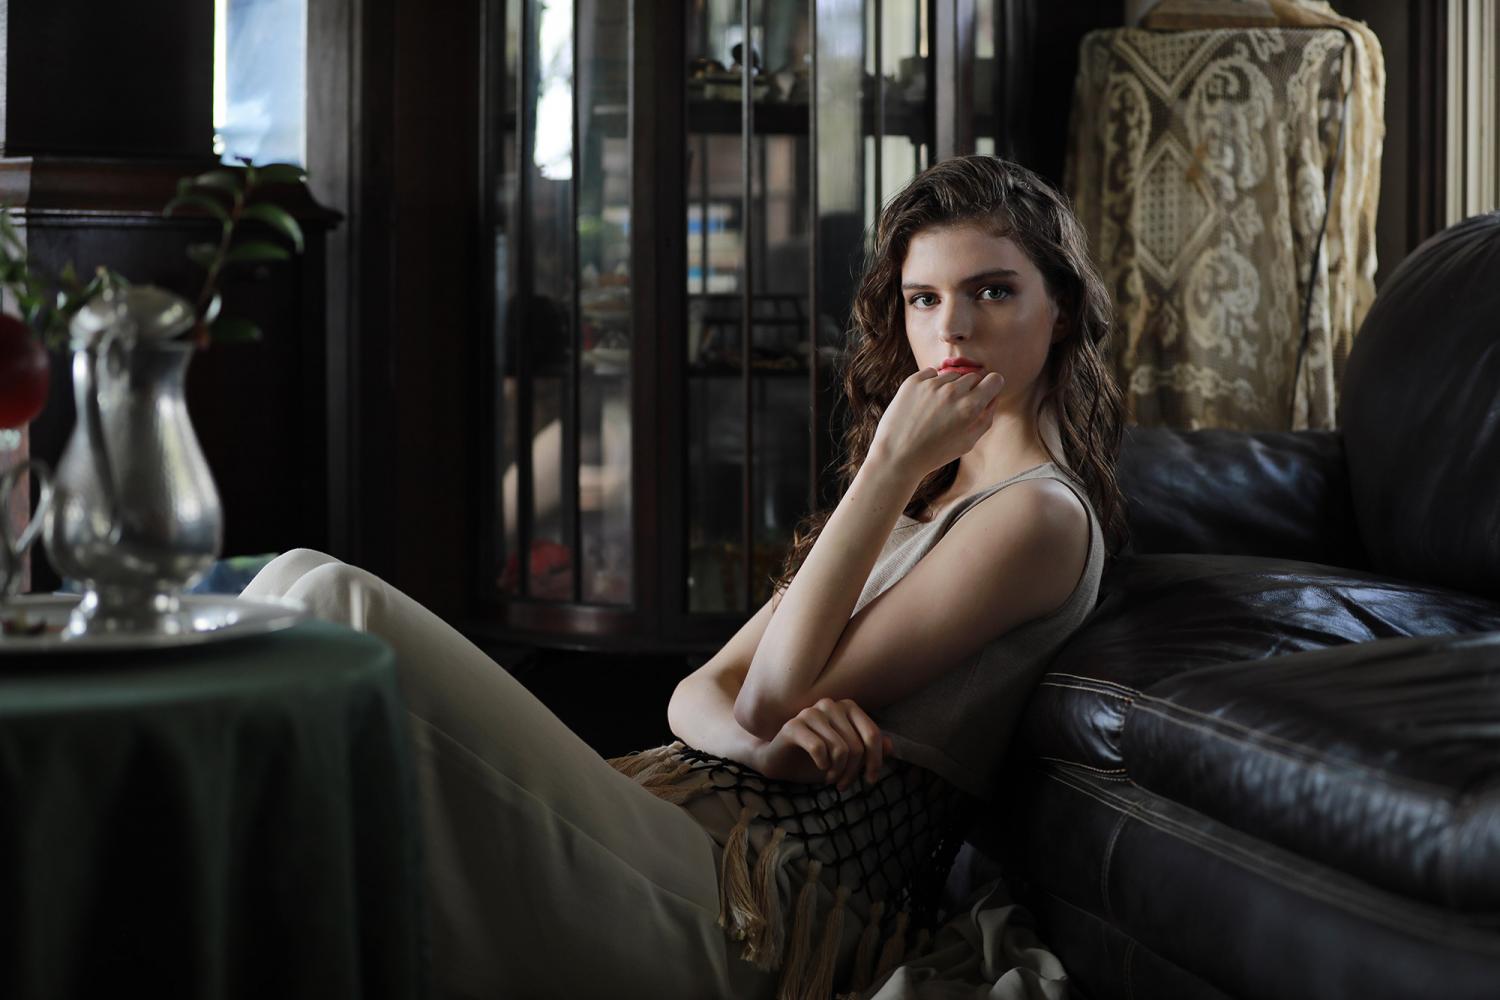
202,201
68,275
255,250
224,180
279,173
278,219
233,329
202,254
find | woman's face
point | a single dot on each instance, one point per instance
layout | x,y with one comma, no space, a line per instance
976,301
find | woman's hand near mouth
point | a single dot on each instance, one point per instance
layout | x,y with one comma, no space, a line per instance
936,417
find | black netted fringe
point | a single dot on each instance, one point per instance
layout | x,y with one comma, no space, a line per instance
912,821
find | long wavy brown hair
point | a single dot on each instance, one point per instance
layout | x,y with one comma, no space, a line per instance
1007,200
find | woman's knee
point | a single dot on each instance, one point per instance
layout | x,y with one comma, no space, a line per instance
338,592
282,573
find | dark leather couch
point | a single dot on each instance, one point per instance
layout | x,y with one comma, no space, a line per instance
1268,766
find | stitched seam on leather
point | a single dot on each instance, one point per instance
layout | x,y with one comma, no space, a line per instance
1423,925
1233,854
1094,680
1079,687
1088,767
1109,856
1296,753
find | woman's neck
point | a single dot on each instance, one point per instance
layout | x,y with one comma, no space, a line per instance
1017,440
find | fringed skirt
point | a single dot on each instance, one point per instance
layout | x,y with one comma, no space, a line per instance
830,889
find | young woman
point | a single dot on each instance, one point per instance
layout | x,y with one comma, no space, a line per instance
794,841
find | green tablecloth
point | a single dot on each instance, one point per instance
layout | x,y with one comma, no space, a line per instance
234,819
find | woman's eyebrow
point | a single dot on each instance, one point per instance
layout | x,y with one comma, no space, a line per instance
973,279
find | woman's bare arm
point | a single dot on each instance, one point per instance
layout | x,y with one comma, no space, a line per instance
1013,557
701,712
812,616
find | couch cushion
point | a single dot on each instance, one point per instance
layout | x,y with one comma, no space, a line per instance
1281,494
1381,760
1163,615
1421,413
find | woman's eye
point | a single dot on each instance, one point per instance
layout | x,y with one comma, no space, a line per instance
995,293
921,299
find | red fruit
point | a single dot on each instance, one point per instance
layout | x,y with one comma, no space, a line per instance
23,373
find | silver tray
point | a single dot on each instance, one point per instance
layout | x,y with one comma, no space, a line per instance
211,617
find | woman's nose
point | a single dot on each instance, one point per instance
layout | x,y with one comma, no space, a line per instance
956,323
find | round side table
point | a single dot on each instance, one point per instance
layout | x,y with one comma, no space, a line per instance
233,819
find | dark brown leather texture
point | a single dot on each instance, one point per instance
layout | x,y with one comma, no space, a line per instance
1165,615
1246,918
1267,494
1420,417
1376,759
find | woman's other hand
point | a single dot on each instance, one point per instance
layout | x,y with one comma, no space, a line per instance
936,417
831,741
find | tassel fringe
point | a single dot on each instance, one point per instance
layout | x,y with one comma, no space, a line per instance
799,949
864,953
750,903
895,946
684,791
633,764
737,913
763,950
660,772
820,984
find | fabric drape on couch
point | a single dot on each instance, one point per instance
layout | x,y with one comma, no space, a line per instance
1228,180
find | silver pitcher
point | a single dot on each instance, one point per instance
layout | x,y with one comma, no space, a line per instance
136,517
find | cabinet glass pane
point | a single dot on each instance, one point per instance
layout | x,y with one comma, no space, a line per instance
504,539
604,290
715,287
539,486
749,251
781,232
874,131
897,90
985,79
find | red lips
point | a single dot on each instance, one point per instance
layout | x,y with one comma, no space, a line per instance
960,364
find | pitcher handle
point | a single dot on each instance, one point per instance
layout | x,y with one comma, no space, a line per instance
15,547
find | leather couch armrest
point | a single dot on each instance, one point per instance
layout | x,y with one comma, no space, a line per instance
1275,494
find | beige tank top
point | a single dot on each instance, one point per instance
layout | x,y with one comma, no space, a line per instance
959,725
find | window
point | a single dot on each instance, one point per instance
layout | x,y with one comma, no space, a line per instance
260,80
1473,160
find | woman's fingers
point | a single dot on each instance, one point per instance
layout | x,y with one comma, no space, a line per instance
838,717
836,748
871,736
813,744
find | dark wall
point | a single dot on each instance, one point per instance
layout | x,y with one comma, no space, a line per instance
107,79
393,134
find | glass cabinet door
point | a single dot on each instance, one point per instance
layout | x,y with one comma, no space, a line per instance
785,180
749,219
667,496
562,317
